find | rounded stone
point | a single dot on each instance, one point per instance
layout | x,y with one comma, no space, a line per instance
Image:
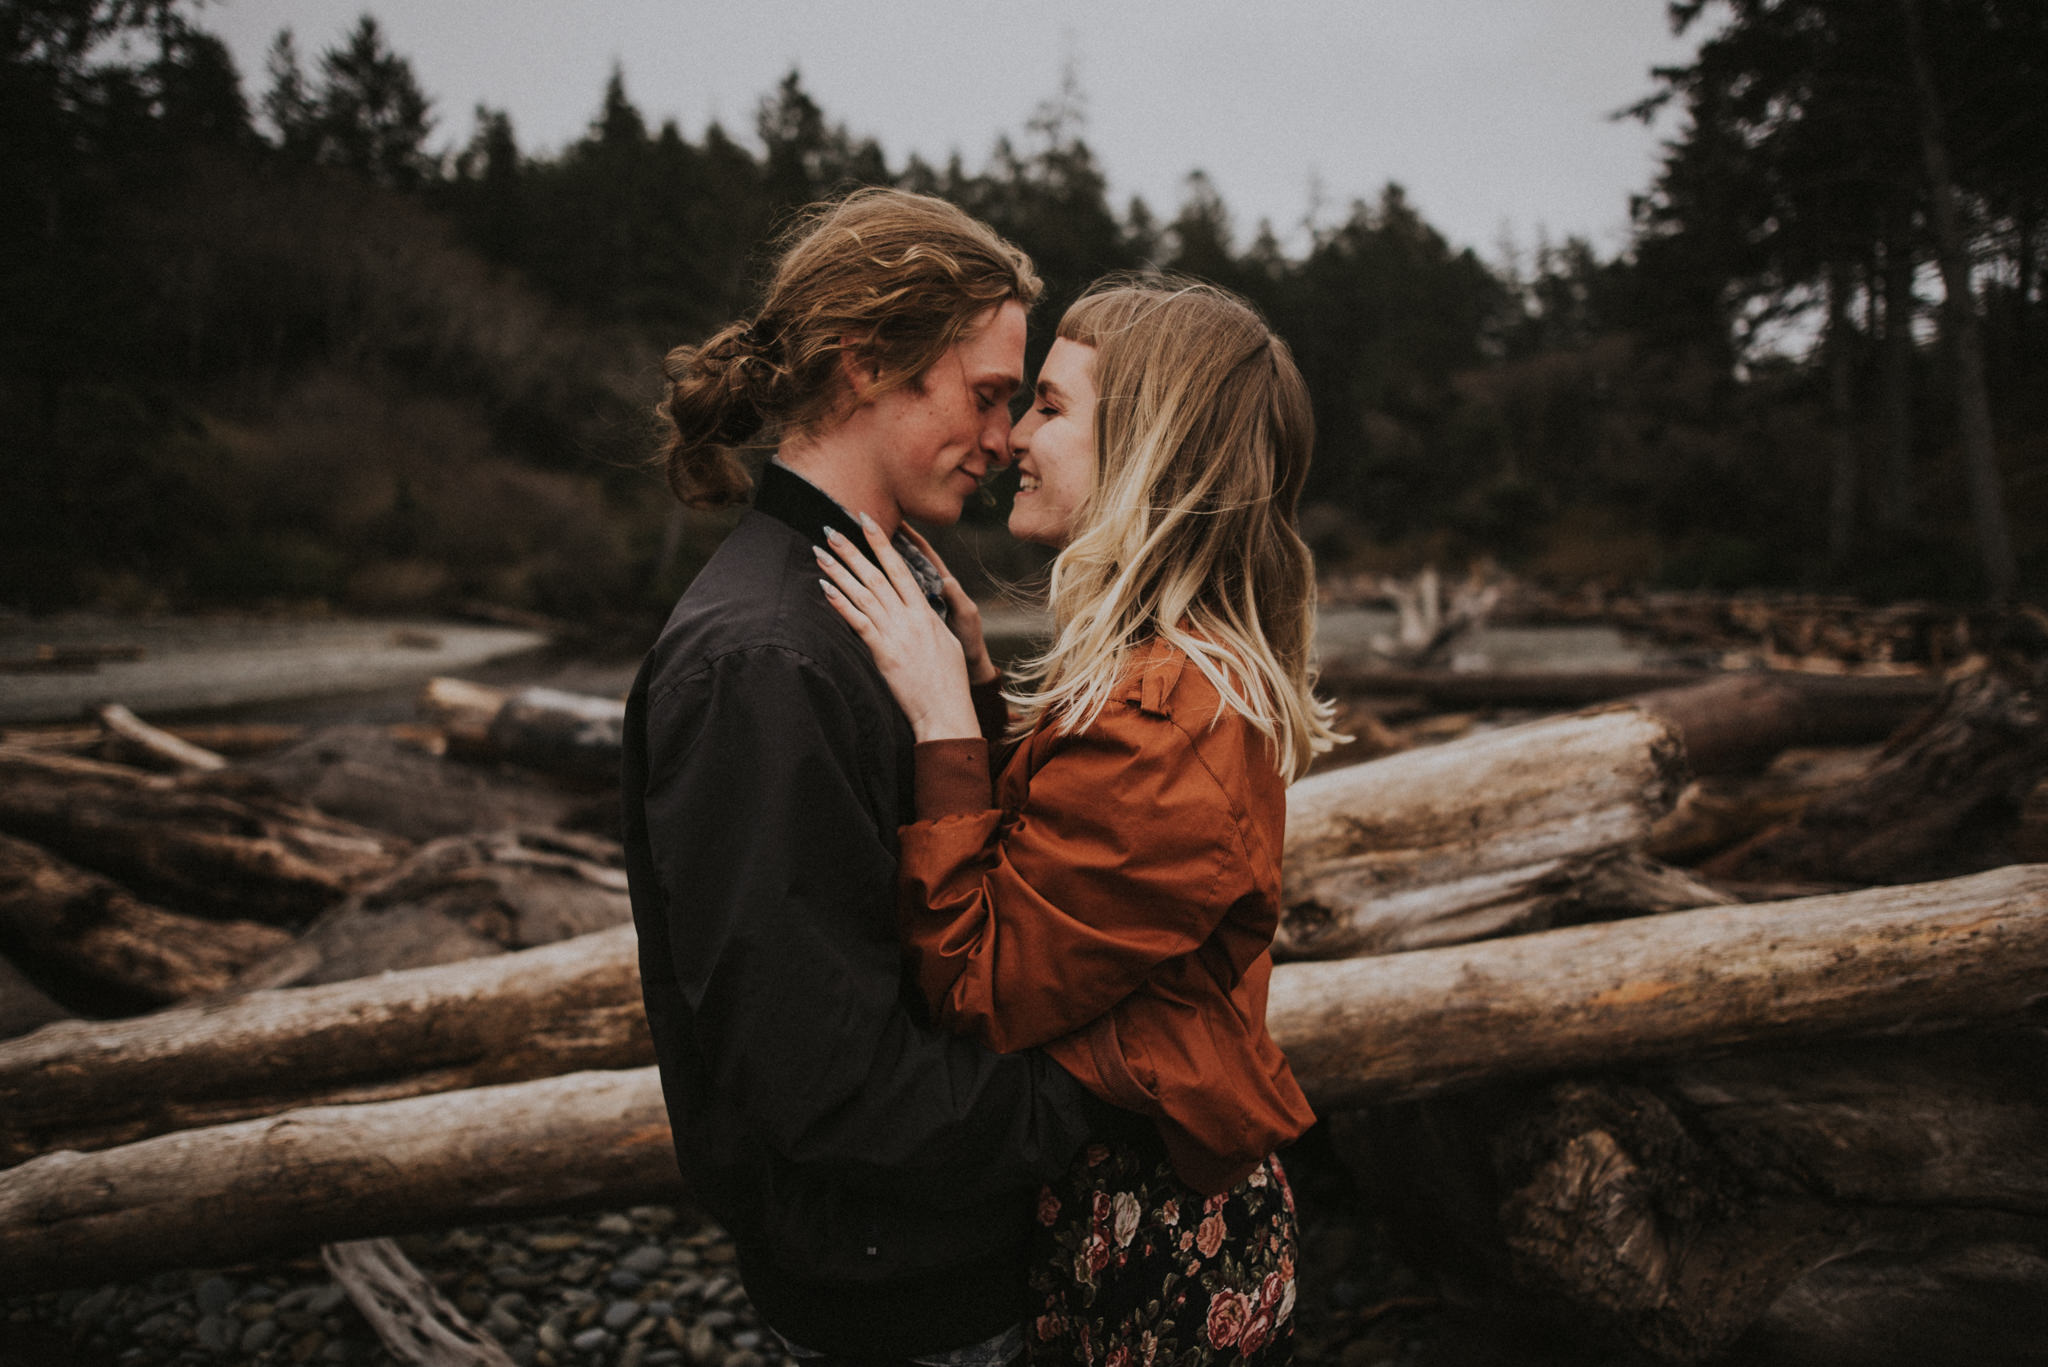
700,1344
214,1333
326,1300
214,1294
645,1260
619,1314
620,1279
590,1340
258,1335
743,1358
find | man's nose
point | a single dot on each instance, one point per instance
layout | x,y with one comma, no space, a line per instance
996,437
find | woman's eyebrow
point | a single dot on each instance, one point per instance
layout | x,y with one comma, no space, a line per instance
1047,389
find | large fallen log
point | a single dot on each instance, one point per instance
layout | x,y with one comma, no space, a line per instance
1470,839
1945,800
1752,711
1372,1029
283,1184
1901,959
1738,721
1834,1203
94,934
458,898
571,735
189,850
367,775
95,1084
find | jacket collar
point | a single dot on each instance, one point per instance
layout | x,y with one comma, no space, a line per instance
789,498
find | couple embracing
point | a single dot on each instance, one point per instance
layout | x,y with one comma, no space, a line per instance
958,982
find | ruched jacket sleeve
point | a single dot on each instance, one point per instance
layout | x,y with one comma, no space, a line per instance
1027,924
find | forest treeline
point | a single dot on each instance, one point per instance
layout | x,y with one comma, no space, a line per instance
289,337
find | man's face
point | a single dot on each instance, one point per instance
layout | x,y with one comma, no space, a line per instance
944,435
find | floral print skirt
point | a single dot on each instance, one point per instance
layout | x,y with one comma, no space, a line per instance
1134,1268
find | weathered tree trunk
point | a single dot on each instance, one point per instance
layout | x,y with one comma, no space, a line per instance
367,775
1885,959
571,735
461,897
1945,801
560,733
1360,1030
1871,1202
1507,688
280,1185
412,1318
94,1084
1738,721
1449,843
1718,810
192,851
94,932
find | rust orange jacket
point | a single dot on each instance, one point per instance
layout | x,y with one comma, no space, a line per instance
1116,904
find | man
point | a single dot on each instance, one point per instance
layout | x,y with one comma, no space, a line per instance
876,1174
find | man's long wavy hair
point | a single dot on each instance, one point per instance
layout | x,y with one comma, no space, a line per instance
1203,433
895,277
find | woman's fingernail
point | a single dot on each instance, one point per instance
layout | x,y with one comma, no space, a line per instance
828,587
821,553
866,521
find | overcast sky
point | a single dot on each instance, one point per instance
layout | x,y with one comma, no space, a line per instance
1493,113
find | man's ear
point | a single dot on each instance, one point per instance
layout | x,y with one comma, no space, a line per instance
859,368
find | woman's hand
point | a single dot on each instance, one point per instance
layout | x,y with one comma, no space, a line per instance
963,614
922,661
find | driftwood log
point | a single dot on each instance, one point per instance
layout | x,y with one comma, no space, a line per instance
1469,839
458,898
1868,1202
132,740
1885,960
276,1186
192,851
570,735
1944,800
92,935
370,776
96,1084
1904,959
1761,711
412,1318
1719,810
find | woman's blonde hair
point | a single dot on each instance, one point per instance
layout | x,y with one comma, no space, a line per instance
1203,433
894,276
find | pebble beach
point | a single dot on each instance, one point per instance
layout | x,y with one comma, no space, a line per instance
650,1286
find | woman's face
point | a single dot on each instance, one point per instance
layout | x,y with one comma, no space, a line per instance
1053,447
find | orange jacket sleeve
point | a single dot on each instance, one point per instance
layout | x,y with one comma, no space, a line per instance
1025,925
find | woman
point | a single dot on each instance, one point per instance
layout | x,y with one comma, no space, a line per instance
1114,897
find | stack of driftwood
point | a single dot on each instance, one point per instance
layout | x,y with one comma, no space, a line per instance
1708,1020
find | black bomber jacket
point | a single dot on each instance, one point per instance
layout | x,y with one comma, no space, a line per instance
875,1172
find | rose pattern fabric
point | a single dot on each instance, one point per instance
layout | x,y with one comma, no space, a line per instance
1133,1268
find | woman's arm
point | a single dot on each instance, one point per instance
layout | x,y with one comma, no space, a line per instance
1024,927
